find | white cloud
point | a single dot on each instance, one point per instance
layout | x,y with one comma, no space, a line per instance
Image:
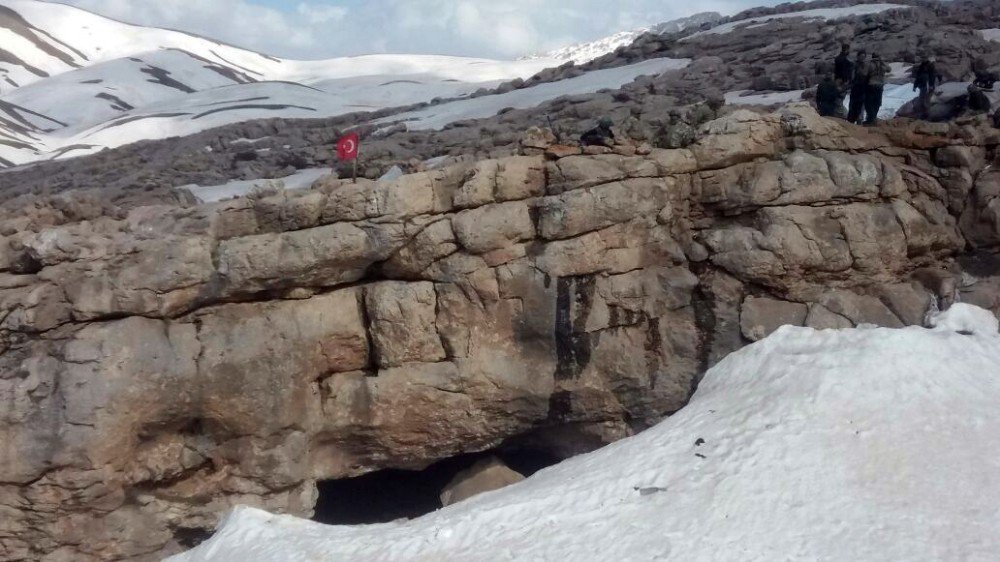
321,13
320,29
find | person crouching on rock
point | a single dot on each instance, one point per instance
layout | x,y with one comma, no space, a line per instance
985,78
859,86
978,101
601,135
675,133
878,71
829,101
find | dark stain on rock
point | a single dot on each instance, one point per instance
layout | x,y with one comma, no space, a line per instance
574,299
560,406
654,346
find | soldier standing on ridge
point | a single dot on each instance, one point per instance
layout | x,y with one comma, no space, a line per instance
843,73
878,71
601,135
926,79
843,68
859,85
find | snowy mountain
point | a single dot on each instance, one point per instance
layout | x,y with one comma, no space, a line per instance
585,52
68,77
858,444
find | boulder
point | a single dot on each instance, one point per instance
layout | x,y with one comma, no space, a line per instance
760,317
486,475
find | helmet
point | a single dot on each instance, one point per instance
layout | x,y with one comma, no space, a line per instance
605,122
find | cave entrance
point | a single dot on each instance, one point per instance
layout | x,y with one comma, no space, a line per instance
391,494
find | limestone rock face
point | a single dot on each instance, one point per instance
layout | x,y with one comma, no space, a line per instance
162,366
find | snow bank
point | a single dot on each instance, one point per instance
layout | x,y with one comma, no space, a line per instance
748,97
824,14
990,34
967,319
438,116
302,179
865,444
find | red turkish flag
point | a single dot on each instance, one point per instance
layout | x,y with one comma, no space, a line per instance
347,147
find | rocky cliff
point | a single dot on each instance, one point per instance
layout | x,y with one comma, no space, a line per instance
163,364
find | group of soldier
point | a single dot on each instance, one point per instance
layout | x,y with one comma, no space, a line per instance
677,132
863,78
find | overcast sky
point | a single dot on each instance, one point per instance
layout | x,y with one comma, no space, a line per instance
312,29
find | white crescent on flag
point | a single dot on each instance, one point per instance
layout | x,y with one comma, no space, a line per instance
347,147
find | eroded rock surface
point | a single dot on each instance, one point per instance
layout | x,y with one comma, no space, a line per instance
161,366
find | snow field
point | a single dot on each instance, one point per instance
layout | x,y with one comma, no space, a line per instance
864,444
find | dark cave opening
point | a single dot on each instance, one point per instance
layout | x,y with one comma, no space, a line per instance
190,538
391,494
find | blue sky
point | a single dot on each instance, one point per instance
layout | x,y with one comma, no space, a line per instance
312,29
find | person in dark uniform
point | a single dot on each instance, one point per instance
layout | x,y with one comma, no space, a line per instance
829,98
843,68
859,85
601,135
926,79
978,102
878,71
985,78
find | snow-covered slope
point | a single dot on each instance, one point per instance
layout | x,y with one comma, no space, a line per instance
436,117
585,52
70,80
864,444
820,13
46,39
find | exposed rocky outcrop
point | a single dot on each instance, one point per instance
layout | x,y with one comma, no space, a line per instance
165,363
781,55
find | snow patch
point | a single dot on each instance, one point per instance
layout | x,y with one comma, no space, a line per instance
747,97
302,179
967,319
990,34
438,116
873,444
